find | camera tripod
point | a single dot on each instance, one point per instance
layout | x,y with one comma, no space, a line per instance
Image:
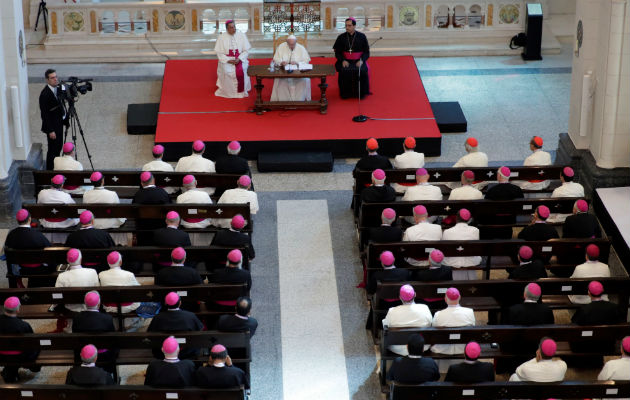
74,125
42,11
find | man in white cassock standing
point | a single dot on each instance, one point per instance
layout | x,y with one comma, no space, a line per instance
291,89
232,49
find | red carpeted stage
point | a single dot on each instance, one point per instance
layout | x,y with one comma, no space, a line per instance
189,110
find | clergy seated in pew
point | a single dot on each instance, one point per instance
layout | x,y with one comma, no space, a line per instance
89,237
55,195
36,303
511,390
413,368
220,373
407,315
378,192
471,370
169,371
242,194
371,162
235,237
291,54
422,190
503,190
10,323
542,368
87,373
409,159
148,194
539,157
352,52
421,230
71,392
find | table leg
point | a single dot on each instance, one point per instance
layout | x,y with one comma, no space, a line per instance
323,101
258,103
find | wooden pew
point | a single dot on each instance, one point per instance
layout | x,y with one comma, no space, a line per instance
132,392
210,256
35,301
370,213
511,390
481,295
126,183
135,347
135,211
497,252
487,334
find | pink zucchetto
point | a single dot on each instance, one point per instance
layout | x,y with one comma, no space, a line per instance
581,205
473,350
525,252
198,145
178,253
188,179
407,293
146,176
568,171
73,255
58,179
170,345
68,147
234,145
171,299
389,213
548,347
592,251
422,172
419,210
172,215
86,217
387,258
543,211
378,174
468,174
92,299
595,288
464,214
11,303
244,181
88,352
452,293
22,215
436,256
505,171
113,258
218,348
235,256
96,176
534,289
158,149
238,222
625,343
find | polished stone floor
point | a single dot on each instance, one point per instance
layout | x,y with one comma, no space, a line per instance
307,266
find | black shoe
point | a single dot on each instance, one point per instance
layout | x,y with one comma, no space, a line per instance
8,378
36,368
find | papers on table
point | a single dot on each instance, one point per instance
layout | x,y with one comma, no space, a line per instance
300,67
290,67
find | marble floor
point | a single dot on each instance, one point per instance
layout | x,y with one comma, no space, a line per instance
311,342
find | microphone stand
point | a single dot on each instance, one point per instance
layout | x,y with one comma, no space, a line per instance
360,117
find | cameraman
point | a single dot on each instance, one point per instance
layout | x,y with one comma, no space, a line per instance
53,116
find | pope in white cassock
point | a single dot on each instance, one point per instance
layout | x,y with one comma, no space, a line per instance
232,49
291,89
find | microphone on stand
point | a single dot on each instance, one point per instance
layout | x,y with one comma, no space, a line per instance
360,117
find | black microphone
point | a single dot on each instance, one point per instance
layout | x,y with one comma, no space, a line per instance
360,117
376,41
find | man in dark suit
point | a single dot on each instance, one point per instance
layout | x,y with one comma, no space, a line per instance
386,233
436,272
597,312
88,374
89,237
24,237
94,321
529,268
241,321
178,274
471,370
378,192
233,237
414,369
171,371
232,163
233,272
173,319
11,324
530,312
53,115
373,160
581,224
503,190
538,228
149,194
220,373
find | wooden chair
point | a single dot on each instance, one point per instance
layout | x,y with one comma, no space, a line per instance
277,40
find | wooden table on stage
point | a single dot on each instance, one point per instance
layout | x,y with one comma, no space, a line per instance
261,72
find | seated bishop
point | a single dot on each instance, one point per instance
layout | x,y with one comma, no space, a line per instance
291,89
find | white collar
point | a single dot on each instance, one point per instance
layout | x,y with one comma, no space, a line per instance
171,226
172,309
89,365
412,356
100,188
453,305
241,317
379,185
24,226
390,267
87,227
470,361
539,222
92,310
530,301
219,365
525,262
148,186
177,265
75,267
171,360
